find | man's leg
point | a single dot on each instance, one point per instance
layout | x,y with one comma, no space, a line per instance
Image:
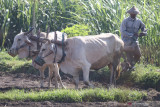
137,54
130,57
129,49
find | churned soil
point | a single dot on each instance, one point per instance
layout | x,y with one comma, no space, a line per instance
29,81
84,104
24,81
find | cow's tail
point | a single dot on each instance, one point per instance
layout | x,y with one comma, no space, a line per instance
118,70
119,67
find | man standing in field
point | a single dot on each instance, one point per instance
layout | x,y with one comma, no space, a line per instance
129,34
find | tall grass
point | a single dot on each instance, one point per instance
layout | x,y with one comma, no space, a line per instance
107,15
99,15
18,14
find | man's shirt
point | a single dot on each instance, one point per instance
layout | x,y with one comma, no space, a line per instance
131,26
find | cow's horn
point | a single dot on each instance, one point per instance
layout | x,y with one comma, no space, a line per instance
38,33
48,29
28,41
30,30
58,42
55,37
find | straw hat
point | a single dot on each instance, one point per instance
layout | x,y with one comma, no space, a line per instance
133,10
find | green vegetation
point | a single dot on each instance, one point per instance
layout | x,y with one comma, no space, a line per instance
10,64
18,14
147,76
96,16
144,76
70,96
77,30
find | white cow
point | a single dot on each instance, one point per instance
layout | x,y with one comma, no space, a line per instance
26,48
85,53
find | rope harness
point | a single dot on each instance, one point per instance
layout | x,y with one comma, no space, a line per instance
40,60
63,52
55,50
29,48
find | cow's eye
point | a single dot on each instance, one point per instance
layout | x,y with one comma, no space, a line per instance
19,39
43,49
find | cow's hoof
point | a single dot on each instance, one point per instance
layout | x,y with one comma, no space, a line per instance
132,68
63,87
91,86
41,86
49,87
57,86
76,88
110,86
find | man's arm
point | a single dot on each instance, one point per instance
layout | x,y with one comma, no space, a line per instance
123,29
143,30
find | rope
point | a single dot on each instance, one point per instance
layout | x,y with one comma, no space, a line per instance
63,53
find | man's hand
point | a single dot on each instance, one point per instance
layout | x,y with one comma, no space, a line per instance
136,34
142,34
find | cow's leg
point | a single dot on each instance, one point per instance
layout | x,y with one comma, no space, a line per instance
59,79
54,70
76,81
57,76
114,74
50,75
42,77
116,65
111,75
56,80
86,69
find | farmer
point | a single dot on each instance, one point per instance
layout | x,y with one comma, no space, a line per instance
129,33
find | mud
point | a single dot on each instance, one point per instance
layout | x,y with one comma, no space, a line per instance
24,81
